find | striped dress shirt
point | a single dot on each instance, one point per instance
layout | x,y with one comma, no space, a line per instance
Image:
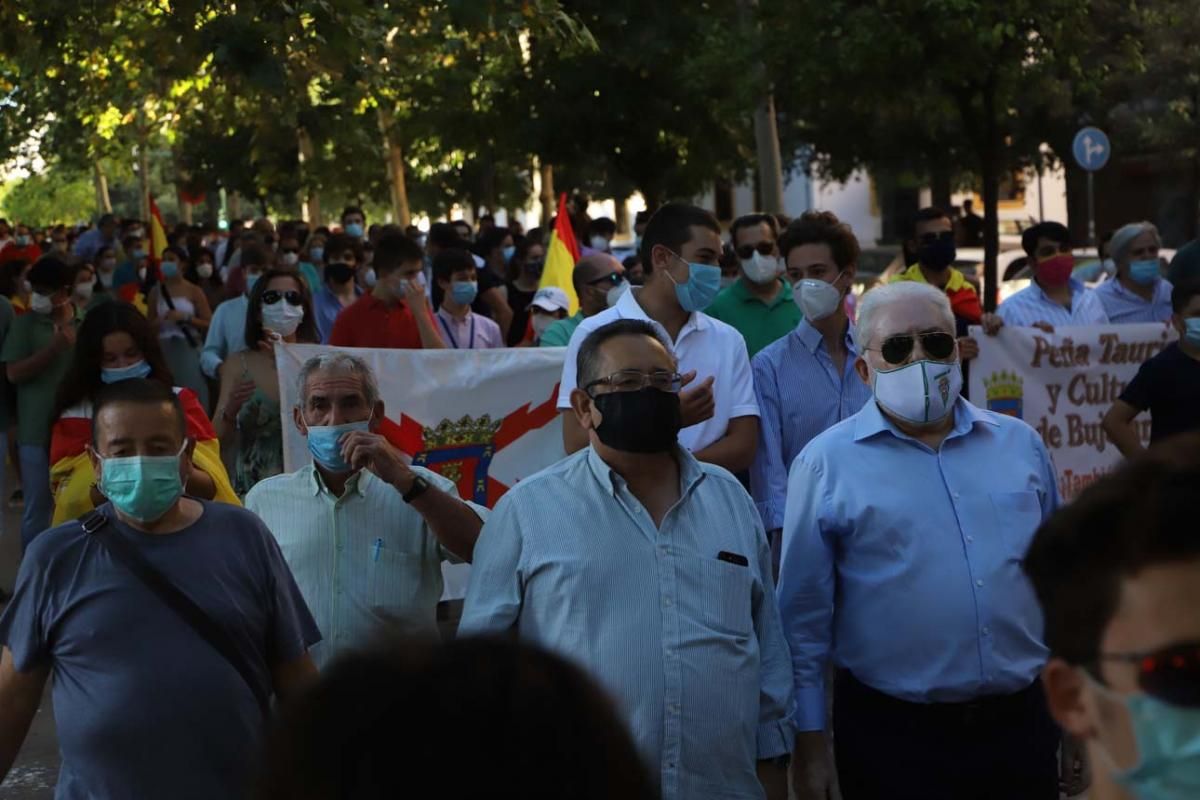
1031,305
689,645
800,394
365,561
1124,306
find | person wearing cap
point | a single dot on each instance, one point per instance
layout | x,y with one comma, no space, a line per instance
599,281
550,304
462,329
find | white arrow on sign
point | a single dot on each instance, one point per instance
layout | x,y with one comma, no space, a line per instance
1091,148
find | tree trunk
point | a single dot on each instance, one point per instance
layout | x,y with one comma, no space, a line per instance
549,202
989,170
103,201
235,206
144,179
395,166
766,134
621,208
939,186
312,203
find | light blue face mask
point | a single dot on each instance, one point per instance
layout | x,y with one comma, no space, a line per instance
250,281
1168,743
508,253
464,292
703,284
1191,331
325,443
316,254
170,269
142,487
139,369
1144,272
355,230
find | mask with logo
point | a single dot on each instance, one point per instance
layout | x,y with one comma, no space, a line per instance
703,283
761,269
324,442
142,487
645,421
1144,272
817,299
204,270
282,317
921,392
938,255
464,292
138,369
1191,331
40,303
170,269
1055,270
354,229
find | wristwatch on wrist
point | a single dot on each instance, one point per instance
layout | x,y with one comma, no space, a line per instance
419,485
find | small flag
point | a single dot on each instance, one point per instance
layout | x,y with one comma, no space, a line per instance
158,234
561,256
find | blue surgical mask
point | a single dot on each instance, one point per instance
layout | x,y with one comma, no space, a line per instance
170,269
142,487
316,254
1144,272
464,292
324,442
355,230
138,255
703,284
508,253
1168,743
140,369
1191,331
250,281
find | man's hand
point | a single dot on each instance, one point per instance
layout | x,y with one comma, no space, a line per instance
813,775
64,335
372,452
414,295
1044,326
696,404
992,323
968,348
773,776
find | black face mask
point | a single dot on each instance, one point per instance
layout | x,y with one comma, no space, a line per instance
645,421
339,272
938,255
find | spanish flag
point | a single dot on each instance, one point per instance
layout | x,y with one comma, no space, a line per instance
71,474
158,234
562,255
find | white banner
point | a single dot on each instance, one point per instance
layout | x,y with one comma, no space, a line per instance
1062,384
485,419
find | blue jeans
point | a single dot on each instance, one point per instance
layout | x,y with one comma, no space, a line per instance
35,484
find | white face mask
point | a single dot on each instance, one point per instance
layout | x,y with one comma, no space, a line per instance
290,259
761,269
204,270
141,273
599,243
816,298
369,278
106,279
540,322
403,284
614,295
282,317
84,290
921,392
41,303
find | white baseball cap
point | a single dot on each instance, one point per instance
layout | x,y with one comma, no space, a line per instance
551,299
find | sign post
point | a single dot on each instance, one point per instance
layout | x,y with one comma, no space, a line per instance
1091,151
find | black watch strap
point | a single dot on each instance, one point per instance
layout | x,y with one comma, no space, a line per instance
416,490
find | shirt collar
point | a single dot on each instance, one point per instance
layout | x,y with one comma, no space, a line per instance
871,421
812,339
690,471
629,308
1162,291
355,483
1075,284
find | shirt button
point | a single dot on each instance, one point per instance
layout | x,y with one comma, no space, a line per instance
986,631
664,548
979,582
667,601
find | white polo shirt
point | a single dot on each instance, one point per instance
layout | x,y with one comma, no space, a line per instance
706,345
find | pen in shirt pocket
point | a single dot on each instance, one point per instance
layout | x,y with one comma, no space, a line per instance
375,548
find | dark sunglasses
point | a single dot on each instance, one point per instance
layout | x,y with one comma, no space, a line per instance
613,279
934,238
936,344
1171,674
746,251
273,296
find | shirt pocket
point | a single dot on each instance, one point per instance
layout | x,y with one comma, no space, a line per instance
727,597
395,579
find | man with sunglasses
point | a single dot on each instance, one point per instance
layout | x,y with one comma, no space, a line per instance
902,540
759,303
599,281
651,570
1117,573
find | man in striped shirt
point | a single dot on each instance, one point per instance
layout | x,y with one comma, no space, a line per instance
651,570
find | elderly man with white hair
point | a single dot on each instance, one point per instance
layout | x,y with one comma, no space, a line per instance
903,535
364,533
1139,293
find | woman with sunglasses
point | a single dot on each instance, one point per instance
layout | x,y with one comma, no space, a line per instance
247,415
115,342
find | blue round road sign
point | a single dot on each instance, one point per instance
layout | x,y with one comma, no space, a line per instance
1091,149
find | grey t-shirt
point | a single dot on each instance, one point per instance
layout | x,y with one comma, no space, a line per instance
144,706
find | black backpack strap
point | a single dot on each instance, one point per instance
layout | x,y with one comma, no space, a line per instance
183,326
95,525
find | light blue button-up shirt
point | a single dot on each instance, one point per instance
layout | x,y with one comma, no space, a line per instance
904,564
800,394
688,645
326,307
1031,305
1124,306
226,334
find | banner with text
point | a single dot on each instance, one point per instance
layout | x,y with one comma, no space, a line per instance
1062,384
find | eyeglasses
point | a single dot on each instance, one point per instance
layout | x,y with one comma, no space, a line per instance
1171,674
936,344
273,296
746,251
934,238
613,279
632,380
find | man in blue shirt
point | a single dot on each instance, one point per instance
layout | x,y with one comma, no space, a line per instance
805,381
651,570
1139,292
902,543
103,235
227,331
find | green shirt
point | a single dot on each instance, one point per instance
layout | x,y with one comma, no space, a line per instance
31,332
311,276
759,323
559,333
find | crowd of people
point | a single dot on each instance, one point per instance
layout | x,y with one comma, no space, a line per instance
781,541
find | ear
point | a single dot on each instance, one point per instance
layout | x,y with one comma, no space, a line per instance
864,372
851,272
94,457
1065,690
660,258
298,419
377,416
582,405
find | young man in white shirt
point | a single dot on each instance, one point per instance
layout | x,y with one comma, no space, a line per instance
462,328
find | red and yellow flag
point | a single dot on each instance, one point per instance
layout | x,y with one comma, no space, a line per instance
158,234
561,256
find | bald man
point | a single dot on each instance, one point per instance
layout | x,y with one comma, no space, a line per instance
599,280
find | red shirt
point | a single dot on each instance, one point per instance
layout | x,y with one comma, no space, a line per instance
369,322
30,252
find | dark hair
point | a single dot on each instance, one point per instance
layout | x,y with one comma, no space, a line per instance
307,332
927,214
194,276
376,725
490,239
394,250
138,391
1182,294
353,210
750,221
461,224
1137,516
448,262
51,272
671,227
602,226
82,379
587,360
1054,231
822,227
255,255
100,251
444,235
178,252
339,243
